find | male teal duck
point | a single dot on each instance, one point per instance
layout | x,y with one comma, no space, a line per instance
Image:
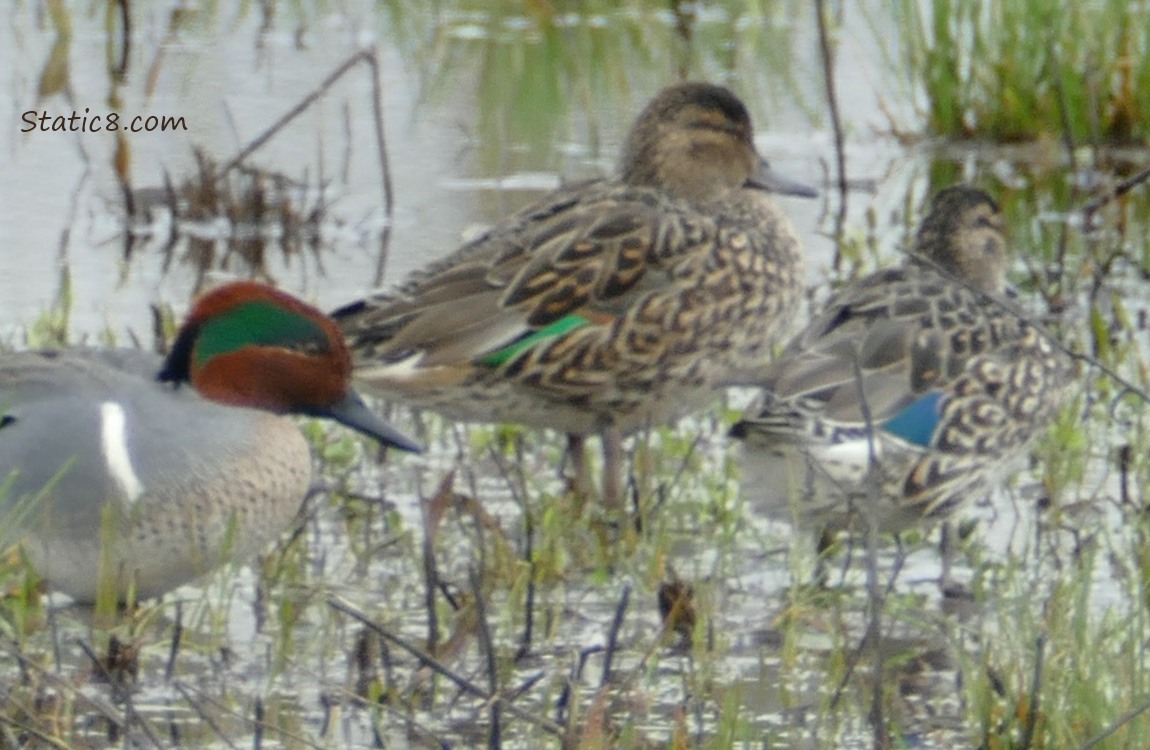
609,305
911,392
121,479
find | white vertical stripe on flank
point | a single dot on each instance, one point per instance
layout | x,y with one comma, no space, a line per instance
114,444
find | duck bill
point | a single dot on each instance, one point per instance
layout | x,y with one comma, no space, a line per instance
354,413
768,179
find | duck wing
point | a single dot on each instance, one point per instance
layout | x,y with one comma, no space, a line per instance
580,257
883,350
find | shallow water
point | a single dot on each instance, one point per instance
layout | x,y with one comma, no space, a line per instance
483,111
229,79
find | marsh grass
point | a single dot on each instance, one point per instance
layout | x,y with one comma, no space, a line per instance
534,591
1056,670
1039,69
261,652
751,642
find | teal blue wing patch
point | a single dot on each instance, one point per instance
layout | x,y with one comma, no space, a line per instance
917,423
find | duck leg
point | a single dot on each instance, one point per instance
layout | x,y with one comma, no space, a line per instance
612,467
948,544
577,464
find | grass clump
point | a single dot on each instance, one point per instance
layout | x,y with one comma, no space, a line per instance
1017,71
1061,671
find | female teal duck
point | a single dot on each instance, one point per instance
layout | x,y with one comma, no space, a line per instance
922,364
127,482
609,305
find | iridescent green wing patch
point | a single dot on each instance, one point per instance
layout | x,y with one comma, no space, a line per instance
558,328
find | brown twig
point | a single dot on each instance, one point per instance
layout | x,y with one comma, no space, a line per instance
97,704
130,714
1122,721
487,643
1119,190
369,58
340,605
1035,694
258,721
1068,144
177,637
836,125
1018,314
430,565
203,715
120,67
613,634
564,701
217,704
516,481
256,143
384,168
529,595
31,731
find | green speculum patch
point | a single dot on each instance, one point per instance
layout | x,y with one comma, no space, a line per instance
558,328
258,323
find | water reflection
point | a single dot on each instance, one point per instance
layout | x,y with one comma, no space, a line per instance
470,94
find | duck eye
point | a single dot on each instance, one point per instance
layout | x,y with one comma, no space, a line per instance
704,123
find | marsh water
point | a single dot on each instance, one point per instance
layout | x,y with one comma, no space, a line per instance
485,106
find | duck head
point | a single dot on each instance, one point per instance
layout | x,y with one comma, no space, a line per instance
247,344
695,141
964,233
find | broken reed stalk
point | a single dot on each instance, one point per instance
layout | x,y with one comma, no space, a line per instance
828,60
220,708
1121,722
1035,694
177,638
258,720
487,644
1014,311
1068,144
369,58
204,716
516,481
613,634
30,666
341,605
529,595
872,639
430,566
1119,190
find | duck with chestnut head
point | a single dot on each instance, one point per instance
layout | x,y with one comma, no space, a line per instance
130,475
